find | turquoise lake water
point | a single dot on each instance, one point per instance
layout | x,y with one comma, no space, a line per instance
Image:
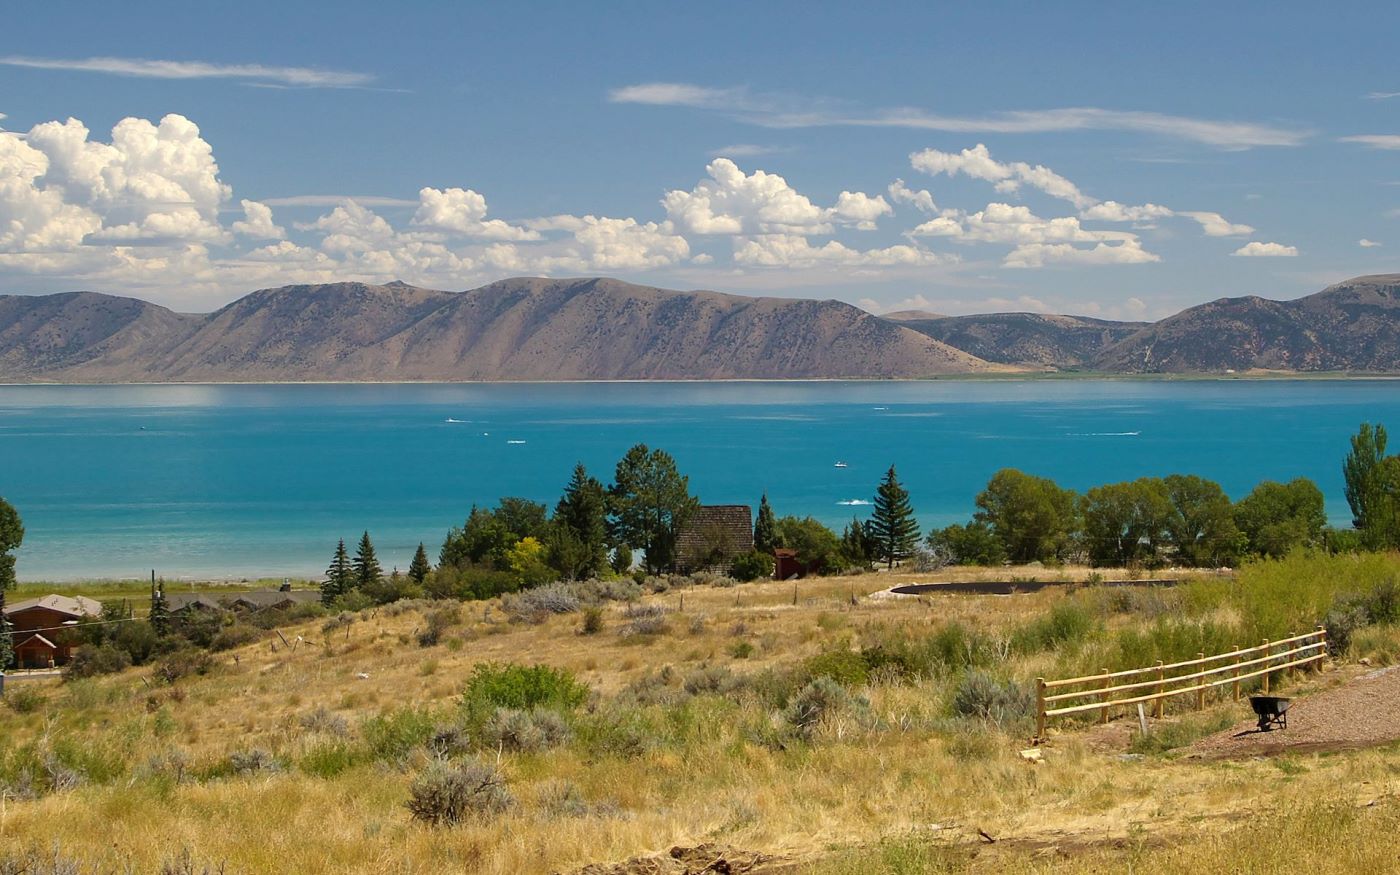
228,481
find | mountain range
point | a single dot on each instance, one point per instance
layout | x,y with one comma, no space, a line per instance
598,328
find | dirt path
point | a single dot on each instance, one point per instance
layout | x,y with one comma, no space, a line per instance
1361,713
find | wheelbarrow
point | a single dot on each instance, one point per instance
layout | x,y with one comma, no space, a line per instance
1271,710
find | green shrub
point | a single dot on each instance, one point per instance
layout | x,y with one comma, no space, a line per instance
233,636
23,699
93,661
393,736
846,667
592,620
443,795
182,663
331,758
752,565
1068,622
507,685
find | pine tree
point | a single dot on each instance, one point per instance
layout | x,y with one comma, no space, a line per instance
367,569
418,569
579,543
765,527
892,525
855,543
159,617
340,577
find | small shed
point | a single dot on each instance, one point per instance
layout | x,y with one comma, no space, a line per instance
713,536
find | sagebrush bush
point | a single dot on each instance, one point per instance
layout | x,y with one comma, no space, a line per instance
537,604
710,679
819,701
592,620
529,731
234,636
443,795
644,620
325,721
252,761
181,663
984,697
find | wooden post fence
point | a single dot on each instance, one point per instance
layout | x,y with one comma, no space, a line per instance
1109,689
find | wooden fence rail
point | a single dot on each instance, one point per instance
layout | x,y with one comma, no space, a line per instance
1156,684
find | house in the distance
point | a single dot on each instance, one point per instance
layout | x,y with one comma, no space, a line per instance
713,536
249,602
40,627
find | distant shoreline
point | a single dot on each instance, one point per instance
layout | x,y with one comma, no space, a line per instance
988,377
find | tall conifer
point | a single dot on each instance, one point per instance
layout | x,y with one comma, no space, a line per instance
367,568
892,525
340,576
418,569
765,531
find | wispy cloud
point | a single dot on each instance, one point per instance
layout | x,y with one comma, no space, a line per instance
1375,141
335,200
1382,95
787,111
748,150
303,77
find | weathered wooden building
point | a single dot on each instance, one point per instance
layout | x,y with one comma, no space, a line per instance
40,628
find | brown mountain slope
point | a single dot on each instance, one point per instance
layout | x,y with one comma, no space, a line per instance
519,329
1031,339
103,336
1351,326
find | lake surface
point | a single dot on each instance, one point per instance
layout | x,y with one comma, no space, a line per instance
229,481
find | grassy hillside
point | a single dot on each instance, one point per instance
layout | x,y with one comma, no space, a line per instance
833,731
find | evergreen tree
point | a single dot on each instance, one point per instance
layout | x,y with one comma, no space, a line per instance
649,501
856,544
159,617
11,536
366,565
418,569
892,525
340,577
578,544
765,527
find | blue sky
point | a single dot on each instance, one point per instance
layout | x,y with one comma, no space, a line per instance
1123,160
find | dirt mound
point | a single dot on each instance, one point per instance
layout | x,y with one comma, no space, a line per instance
699,860
1363,712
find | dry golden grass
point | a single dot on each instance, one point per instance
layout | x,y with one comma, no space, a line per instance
904,792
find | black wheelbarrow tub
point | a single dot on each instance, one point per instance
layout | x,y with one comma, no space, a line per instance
1271,710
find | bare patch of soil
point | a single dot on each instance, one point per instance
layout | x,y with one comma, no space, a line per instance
1364,712
705,859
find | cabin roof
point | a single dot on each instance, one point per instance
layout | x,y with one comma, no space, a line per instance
76,607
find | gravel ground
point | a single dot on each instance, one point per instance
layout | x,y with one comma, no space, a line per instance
1363,712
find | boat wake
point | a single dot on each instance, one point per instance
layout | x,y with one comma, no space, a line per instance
853,502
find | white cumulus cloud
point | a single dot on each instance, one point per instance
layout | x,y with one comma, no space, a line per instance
1367,244
257,222
1256,249
732,202
463,211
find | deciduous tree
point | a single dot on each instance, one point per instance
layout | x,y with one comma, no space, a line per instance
1032,517
11,536
1201,524
1278,517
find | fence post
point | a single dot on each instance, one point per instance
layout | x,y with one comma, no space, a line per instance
1103,697
1039,709
1321,647
1267,658
1200,685
1237,675
1157,702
